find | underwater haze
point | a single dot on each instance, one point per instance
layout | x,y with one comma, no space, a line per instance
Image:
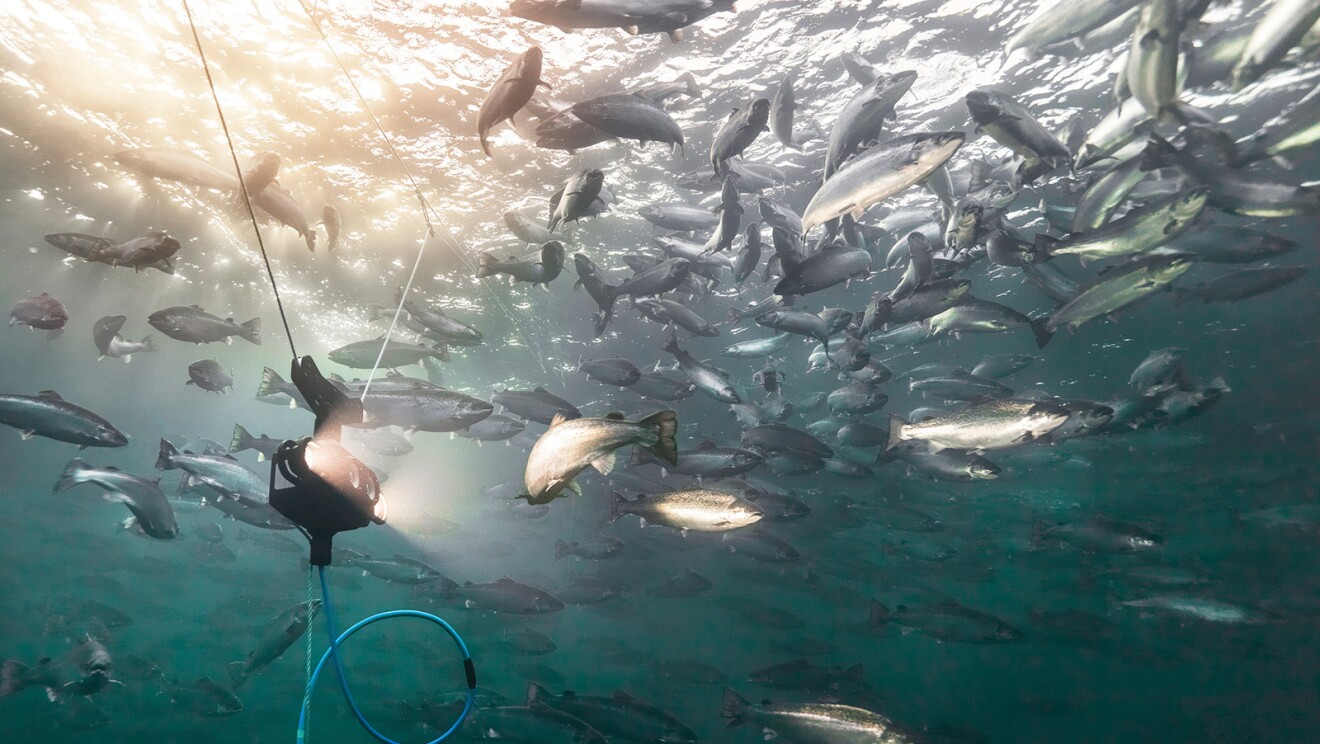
848,371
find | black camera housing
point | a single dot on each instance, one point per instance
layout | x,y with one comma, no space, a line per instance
316,483
323,489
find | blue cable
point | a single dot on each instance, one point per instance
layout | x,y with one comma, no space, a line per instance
332,653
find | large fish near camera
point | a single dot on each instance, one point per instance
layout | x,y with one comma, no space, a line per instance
281,633
1069,20
194,325
1113,291
153,251
48,415
630,116
863,118
1012,126
511,92
832,265
570,446
881,172
738,132
540,268
992,425
177,165
1283,26
576,198
708,379
151,510
85,669
651,17
105,334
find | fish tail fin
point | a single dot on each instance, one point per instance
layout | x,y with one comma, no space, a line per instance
610,294
238,673
12,675
617,502
1158,152
448,587
562,549
241,439
165,460
148,344
1040,536
666,425
485,263
896,424
1181,296
879,613
69,478
733,707
671,344
270,382
536,694
252,331
1042,250
1043,333
690,81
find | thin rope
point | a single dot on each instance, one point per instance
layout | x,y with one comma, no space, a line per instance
247,199
428,211
307,667
403,298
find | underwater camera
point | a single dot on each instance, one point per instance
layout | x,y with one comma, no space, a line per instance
324,490
321,487
316,483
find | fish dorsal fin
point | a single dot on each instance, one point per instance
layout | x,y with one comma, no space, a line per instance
111,467
539,389
621,695
558,419
615,416
49,395
569,695
706,444
504,580
196,307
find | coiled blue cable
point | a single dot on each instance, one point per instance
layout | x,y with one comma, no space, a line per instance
332,653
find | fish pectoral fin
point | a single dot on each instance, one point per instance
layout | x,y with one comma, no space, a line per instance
26,434
604,464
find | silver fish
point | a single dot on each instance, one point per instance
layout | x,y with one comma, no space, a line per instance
569,446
